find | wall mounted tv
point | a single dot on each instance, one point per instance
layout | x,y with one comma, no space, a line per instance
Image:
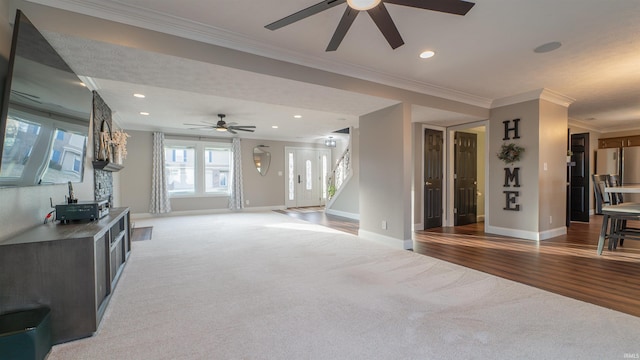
46,111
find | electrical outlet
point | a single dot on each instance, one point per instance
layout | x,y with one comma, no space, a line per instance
246,202
384,225
550,219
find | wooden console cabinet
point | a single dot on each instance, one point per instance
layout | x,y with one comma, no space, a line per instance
72,268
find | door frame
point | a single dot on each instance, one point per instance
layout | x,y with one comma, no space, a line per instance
320,151
448,218
586,190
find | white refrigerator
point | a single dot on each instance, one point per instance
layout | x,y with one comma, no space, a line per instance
623,161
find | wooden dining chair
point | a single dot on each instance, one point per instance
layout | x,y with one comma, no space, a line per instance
614,217
615,181
617,198
600,182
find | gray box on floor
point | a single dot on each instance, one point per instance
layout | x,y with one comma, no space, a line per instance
25,335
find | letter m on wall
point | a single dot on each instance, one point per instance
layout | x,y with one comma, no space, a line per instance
511,176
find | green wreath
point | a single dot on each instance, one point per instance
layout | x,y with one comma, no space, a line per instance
510,153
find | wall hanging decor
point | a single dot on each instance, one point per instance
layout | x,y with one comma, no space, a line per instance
510,153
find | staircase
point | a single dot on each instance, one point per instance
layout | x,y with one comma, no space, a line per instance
339,176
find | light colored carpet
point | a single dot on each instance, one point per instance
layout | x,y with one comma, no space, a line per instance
268,286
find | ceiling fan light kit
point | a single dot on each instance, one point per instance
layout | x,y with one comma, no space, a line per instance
363,4
378,12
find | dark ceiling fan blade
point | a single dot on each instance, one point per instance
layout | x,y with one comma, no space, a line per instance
231,131
457,7
344,25
311,10
200,125
242,128
381,17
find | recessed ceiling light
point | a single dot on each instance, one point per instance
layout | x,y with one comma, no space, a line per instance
274,127
427,54
550,46
297,116
141,96
144,113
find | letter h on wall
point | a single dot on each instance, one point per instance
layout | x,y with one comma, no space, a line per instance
515,129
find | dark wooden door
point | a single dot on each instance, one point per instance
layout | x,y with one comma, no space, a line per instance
433,173
465,178
579,178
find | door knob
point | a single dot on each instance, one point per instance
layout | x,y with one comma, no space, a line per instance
428,183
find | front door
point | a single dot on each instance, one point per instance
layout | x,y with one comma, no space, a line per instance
306,177
579,178
465,178
433,173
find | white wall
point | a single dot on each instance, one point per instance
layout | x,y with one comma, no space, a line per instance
542,199
261,191
386,175
526,219
552,199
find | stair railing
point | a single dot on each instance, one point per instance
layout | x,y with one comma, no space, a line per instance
339,174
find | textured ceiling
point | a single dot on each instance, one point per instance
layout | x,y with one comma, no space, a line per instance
483,56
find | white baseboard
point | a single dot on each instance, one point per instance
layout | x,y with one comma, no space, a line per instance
527,235
344,214
206,212
387,240
418,227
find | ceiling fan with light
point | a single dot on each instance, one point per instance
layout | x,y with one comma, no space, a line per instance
378,13
222,126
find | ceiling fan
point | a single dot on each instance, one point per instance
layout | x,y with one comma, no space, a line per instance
378,13
222,126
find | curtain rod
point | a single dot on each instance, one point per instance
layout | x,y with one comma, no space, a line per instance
191,137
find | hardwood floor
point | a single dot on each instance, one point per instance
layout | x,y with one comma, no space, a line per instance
567,265
317,215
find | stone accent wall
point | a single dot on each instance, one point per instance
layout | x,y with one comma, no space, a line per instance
103,180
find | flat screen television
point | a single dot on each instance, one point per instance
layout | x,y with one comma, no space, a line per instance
46,112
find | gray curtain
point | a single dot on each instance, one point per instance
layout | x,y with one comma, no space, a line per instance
236,197
160,202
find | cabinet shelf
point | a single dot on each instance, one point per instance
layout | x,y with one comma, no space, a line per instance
106,166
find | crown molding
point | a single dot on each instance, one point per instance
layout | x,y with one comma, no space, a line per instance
152,20
556,98
581,124
539,94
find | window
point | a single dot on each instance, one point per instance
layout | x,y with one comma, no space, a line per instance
218,162
55,157
196,168
292,185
